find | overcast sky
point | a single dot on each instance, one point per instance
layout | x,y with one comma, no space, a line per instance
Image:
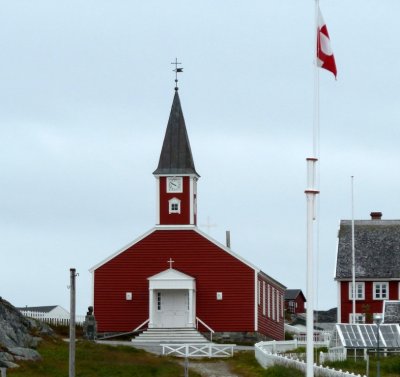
85,93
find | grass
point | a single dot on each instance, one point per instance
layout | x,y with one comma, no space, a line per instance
96,360
245,364
390,366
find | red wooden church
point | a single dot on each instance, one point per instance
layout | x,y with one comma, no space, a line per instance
174,274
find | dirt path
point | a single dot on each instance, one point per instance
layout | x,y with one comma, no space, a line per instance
211,369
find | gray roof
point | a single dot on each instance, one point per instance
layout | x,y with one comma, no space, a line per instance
377,249
176,155
41,309
291,294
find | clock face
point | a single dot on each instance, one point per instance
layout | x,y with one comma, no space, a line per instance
174,184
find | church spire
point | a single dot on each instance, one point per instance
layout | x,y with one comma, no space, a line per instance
176,155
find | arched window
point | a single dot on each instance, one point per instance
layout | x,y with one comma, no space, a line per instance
174,205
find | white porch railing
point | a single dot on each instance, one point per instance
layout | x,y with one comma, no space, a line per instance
198,320
267,359
198,350
57,321
320,338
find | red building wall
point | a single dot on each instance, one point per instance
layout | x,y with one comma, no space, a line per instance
214,270
268,322
368,305
167,218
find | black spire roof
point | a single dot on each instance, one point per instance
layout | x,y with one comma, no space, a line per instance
176,155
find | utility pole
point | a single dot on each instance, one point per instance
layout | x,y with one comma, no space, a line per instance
72,323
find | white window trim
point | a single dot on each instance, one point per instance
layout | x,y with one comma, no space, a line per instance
360,318
277,306
273,303
358,283
374,290
263,308
269,301
259,292
173,201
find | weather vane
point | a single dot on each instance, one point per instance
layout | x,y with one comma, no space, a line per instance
177,70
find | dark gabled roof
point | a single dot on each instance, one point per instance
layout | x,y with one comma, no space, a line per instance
176,156
41,309
377,249
291,294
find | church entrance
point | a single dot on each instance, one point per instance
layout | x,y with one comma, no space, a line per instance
172,300
172,308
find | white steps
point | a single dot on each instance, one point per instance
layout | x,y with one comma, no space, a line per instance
170,335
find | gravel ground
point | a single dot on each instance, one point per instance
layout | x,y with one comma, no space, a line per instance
211,368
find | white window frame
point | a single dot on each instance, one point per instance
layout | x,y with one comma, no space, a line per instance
263,308
380,295
174,202
269,301
360,293
259,292
360,318
273,302
278,309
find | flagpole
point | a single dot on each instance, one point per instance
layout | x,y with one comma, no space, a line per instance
311,193
353,258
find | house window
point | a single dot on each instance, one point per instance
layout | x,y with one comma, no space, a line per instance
158,300
381,290
359,318
259,292
268,301
360,290
174,205
263,309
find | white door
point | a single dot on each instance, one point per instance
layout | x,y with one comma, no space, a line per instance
173,308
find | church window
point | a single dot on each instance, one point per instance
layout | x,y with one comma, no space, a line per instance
158,300
273,303
263,308
277,306
174,205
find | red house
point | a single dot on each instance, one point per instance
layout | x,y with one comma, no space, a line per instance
294,301
175,275
377,267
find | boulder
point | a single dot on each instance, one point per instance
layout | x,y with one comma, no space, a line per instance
18,335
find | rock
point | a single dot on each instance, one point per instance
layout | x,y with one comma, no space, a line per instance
17,335
21,353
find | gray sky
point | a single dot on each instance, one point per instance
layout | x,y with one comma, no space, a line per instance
85,93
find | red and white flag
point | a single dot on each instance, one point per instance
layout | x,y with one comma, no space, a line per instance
325,58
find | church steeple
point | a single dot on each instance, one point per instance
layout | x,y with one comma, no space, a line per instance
176,154
176,174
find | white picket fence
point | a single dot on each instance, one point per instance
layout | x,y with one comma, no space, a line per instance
267,359
56,321
198,350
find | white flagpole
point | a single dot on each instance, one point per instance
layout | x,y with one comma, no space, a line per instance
353,259
311,193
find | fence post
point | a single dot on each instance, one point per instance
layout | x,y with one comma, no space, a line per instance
3,372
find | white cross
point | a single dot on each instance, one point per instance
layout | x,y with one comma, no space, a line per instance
208,225
170,262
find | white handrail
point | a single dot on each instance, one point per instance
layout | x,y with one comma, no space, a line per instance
140,326
206,326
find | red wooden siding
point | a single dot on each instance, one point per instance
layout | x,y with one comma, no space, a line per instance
368,305
182,218
270,323
214,270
